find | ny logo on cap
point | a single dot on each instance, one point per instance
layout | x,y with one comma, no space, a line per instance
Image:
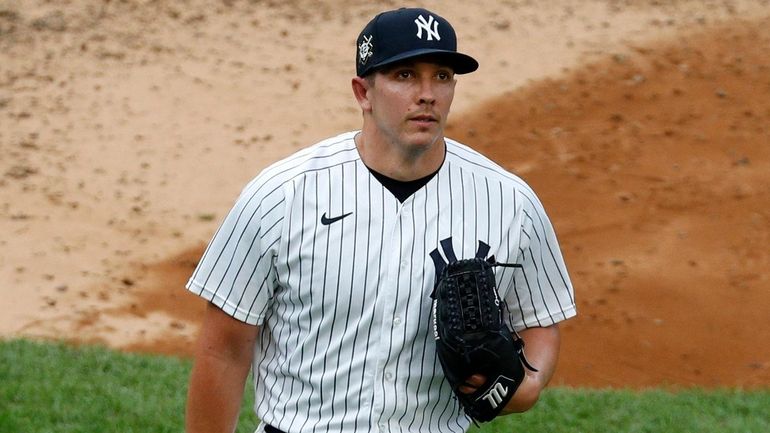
423,24
365,49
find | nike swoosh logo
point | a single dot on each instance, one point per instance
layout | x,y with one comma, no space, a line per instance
326,221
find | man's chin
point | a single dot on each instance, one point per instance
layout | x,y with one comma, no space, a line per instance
425,138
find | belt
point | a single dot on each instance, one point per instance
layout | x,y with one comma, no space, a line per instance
271,429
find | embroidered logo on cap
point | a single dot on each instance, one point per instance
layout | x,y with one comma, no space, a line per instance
423,24
365,49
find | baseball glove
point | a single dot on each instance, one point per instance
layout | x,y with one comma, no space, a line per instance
472,337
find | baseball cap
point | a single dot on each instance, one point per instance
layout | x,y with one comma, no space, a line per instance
406,33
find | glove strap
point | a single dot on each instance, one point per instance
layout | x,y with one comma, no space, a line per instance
519,343
524,361
493,262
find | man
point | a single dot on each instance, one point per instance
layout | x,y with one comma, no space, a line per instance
321,275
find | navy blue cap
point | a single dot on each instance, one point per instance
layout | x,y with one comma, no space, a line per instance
406,33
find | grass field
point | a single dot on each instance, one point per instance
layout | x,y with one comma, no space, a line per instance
51,387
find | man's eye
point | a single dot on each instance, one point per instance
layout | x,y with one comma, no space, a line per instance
404,74
444,76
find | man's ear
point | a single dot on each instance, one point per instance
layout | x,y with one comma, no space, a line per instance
361,88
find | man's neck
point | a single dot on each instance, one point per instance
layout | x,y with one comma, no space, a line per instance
397,162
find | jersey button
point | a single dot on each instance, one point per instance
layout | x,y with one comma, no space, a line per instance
388,376
397,321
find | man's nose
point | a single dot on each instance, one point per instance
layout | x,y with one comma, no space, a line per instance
427,94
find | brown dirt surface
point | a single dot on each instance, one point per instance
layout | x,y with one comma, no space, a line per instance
643,127
655,167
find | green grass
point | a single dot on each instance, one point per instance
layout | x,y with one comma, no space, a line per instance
566,410
52,387
48,387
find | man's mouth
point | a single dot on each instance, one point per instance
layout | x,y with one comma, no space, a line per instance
423,118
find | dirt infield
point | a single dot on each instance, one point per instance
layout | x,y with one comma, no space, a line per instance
650,150
655,167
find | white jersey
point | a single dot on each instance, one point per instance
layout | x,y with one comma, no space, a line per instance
339,274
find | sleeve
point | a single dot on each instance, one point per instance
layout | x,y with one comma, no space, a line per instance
237,271
542,292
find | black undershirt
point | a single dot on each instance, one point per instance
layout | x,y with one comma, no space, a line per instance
402,189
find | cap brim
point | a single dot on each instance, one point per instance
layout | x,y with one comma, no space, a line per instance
459,62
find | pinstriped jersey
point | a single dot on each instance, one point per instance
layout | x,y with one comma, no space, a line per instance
338,273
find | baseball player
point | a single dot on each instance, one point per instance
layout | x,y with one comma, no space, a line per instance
320,277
